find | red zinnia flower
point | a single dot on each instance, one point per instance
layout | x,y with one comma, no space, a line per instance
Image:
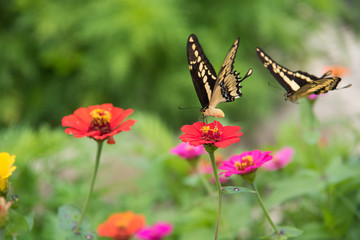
99,122
121,226
245,163
214,133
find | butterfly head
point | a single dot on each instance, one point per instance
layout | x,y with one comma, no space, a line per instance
291,97
211,111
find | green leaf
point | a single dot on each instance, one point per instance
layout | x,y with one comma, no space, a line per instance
235,189
30,220
305,182
290,231
68,217
285,232
17,224
82,236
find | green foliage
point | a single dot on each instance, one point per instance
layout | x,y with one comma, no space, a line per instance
58,56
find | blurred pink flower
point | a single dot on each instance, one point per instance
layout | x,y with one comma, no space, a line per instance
314,96
245,163
185,150
205,167
155,232
281,158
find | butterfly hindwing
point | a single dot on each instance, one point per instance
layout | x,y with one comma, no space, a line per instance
201,70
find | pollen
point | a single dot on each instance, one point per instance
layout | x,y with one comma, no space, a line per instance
100,121
209,134
245,162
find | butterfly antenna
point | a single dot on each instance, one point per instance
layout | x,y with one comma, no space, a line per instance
277,87
181,108
347,86
250,71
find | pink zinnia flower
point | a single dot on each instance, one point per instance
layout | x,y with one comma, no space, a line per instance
186,151
245,163
156,232
281,158
213,133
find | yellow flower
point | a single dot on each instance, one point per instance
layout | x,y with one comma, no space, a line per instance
6,169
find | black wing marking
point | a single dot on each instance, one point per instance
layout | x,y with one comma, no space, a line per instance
227,86
201,70
290,80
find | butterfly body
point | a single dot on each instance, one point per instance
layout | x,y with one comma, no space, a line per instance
211,88
298,84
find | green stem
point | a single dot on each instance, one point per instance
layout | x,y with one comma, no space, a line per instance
204,181
97,161
264,209
2,233
218,186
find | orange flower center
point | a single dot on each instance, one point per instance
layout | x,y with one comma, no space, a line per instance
100,121
209,134
244,163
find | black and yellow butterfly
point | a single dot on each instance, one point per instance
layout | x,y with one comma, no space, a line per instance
298,84
210,88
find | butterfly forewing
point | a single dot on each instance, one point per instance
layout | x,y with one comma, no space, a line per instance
227,87
201,70
228,64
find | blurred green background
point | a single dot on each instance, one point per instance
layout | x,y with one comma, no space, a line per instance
57,56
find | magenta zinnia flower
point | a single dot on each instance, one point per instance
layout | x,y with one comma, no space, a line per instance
245,163
186,151
281,158
156,232
213,133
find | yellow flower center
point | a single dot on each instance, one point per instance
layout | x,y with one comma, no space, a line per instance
244,163
100,121
209,134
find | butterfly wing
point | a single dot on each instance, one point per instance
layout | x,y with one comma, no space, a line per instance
316,87
201,70
227,86
289,80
